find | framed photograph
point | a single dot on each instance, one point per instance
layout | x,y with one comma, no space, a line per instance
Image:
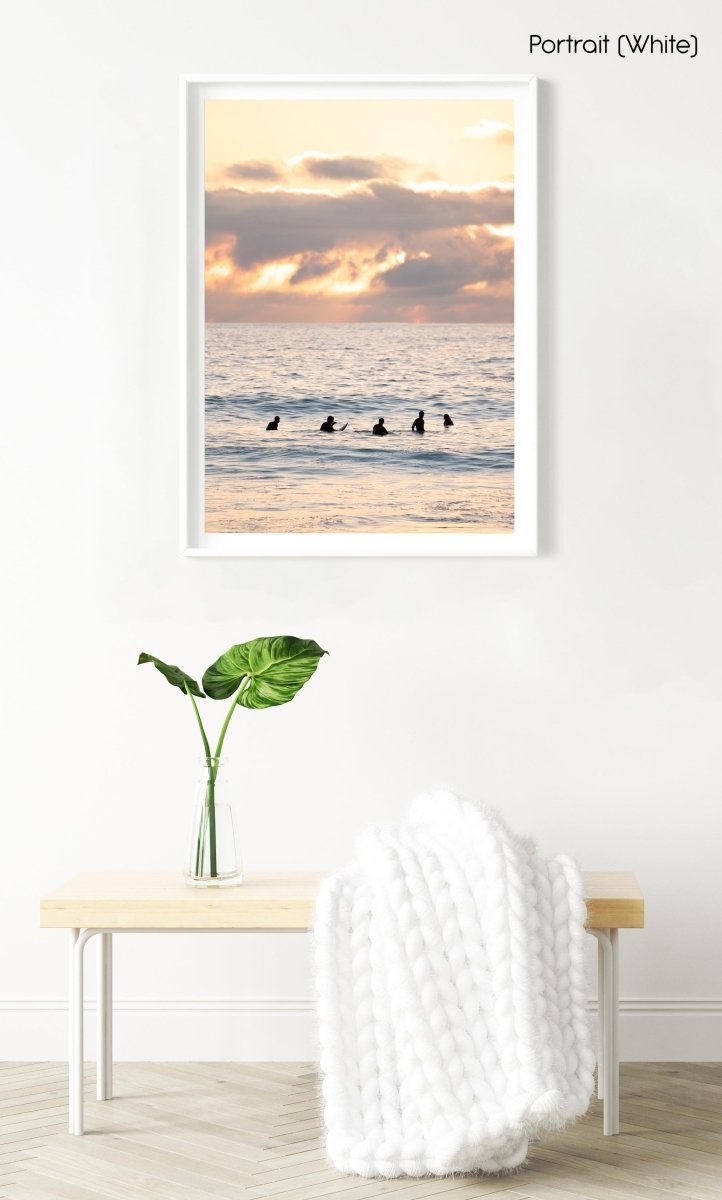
359,315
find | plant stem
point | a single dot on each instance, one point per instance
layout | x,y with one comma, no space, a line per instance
221,738
206,745
210,804
200,843
212,764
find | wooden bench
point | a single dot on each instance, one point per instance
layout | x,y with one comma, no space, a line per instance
133,902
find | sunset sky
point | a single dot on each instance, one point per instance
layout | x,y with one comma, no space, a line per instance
359,210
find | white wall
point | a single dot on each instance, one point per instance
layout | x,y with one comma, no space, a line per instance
579,691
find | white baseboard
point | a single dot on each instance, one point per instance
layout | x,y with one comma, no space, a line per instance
273,1029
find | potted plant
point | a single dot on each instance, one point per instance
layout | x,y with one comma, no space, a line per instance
262,673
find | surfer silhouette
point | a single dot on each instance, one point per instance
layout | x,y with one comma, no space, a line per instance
273,424
447,421
328,425
418,425
379,428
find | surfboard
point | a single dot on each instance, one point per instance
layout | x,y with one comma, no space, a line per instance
342,427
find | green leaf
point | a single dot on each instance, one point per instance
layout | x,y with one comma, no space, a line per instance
277,668
174,675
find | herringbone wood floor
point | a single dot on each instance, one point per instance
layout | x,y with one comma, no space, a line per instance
194,1131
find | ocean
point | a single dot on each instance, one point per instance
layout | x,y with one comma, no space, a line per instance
299,480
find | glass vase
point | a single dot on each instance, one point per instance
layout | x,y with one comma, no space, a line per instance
213,859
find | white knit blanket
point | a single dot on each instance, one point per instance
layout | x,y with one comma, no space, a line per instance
451,996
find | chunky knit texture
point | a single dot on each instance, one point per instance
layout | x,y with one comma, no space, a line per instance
451,996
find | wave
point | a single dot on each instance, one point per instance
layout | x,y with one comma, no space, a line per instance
397,409
300,459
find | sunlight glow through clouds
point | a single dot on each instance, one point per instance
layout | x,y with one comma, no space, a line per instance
399,210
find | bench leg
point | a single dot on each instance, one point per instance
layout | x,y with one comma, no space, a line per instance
75,1055
104,1018
71,1030
608,990
78,940
600,1020
614,1017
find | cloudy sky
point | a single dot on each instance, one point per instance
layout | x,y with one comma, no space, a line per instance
373,210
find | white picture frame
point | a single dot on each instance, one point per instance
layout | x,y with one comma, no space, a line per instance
194,541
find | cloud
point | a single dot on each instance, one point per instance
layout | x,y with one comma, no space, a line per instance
456,275
378,251
264,171
454,261
350,166
488,130
281,223
315,165
313,266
